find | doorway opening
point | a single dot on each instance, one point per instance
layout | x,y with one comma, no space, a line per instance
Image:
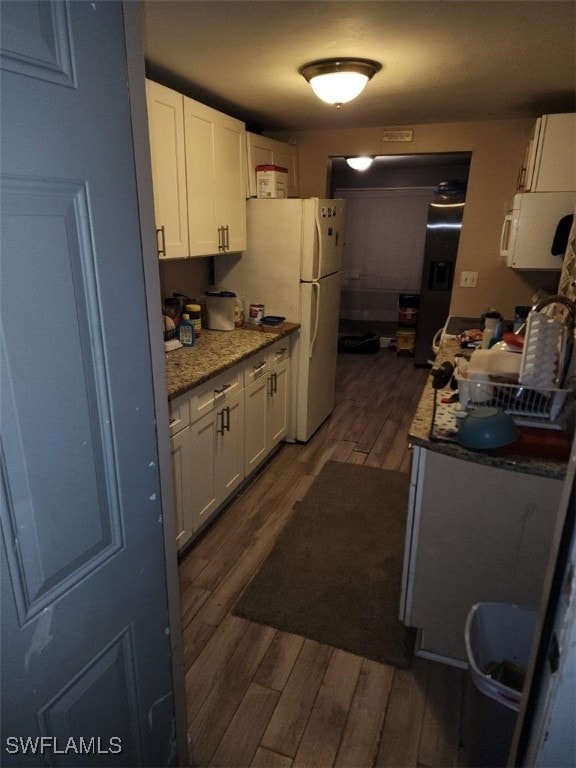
386,215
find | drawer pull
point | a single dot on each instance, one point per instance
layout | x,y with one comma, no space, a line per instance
224,421
172,421
259,366
222,390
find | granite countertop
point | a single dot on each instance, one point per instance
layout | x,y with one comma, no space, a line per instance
216,351
419,433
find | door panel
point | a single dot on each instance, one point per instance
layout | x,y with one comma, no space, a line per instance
317,356
322,237
85,641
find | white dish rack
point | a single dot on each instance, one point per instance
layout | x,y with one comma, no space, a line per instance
511,397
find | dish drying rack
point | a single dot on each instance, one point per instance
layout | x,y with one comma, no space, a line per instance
538,394
544,353
512,397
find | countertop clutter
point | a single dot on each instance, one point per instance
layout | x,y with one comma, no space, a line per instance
216,351
535,453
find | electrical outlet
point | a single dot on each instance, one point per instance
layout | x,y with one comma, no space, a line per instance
468,279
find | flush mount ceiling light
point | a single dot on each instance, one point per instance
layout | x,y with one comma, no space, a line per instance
337,81
359,163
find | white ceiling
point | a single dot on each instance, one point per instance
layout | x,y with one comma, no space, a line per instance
442,60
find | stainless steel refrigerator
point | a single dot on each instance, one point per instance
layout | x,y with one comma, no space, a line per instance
443,227
292,265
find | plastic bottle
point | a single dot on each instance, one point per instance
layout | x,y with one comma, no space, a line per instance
186,332
195,313
493,328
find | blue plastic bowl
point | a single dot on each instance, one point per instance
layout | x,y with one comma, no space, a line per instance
487,428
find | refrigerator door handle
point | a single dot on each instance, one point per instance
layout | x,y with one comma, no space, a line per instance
316,288
320,244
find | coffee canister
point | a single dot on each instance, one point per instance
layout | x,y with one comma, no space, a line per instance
256,313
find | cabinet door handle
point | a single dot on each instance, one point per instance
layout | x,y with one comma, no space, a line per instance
275,382
227,410
227,238
221,391
269,386
161,248
221,239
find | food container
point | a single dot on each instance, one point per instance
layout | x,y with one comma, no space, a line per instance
271,181
495,362
271,322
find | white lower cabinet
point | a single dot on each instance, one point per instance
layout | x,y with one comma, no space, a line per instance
279,398
475,533
179,409
217,457
222,430
267,403
180,449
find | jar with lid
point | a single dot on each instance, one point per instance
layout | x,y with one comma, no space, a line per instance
194,311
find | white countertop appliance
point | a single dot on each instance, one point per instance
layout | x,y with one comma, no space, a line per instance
292,265
220,310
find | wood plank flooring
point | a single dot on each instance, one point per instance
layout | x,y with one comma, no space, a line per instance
260,697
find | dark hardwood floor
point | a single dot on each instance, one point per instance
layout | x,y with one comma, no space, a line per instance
261,697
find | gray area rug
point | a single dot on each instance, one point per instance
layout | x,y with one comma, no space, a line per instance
334,574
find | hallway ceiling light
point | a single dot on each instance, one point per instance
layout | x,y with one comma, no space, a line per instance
337,81
359,163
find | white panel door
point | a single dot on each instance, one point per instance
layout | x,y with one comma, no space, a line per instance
85,636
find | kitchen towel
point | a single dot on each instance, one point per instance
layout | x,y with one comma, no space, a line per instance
334,574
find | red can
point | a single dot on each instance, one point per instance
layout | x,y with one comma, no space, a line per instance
256,313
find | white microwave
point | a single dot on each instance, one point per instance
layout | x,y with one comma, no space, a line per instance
533,228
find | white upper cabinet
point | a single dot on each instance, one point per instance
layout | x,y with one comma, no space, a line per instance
198,162
550,164
261,150
166,125
215,180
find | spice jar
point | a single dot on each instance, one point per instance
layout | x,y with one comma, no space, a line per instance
194,311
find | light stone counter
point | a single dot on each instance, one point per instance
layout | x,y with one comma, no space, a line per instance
419,434
216,351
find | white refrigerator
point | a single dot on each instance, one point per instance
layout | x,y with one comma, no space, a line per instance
292,265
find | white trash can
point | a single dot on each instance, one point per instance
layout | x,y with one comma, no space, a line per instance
499,638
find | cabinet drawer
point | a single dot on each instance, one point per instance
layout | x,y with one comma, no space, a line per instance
215,392
179,413
256,367
279,352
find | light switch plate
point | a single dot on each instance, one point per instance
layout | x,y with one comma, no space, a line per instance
468,279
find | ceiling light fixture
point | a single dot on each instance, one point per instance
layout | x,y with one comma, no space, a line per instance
359,163
337,81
